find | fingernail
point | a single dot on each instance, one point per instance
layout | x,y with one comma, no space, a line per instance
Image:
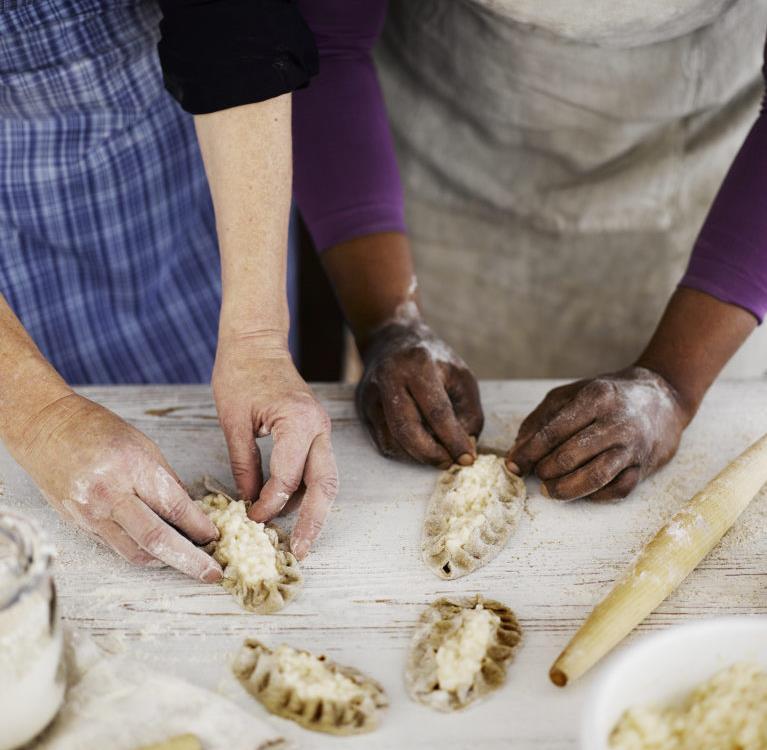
444,465
300,547
513,468
212,574
544,491
255,515
214,535
466,459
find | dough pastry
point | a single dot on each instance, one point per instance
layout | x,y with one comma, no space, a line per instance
472,513
310,690
460,651
259,570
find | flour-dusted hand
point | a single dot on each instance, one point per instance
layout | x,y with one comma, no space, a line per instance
598,438
258,392
112,481
417,398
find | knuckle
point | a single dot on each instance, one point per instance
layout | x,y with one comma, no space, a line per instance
416,355
401,426
229,422
438,413
328,485
239,468
176,509
565,460
599,390
153,539
389,369
545,435
315,527
288,483
137,557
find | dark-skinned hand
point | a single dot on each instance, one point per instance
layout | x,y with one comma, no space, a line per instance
599,438
417,398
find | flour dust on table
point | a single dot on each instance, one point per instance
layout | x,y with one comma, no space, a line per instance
471,515
460,652
311,690
259,569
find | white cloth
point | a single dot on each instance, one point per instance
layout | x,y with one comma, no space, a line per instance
559,159
116,703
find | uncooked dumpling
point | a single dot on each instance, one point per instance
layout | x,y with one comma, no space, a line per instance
311,690
471,515
259,569
460,651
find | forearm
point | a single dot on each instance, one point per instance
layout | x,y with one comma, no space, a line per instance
374,281
729,260
695,338
247,156
347,183
28,383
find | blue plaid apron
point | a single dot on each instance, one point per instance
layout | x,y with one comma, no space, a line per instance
108,252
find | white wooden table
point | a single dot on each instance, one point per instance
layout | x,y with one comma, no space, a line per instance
365,584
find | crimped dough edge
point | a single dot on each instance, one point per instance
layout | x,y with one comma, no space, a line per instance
253,668
486,541
269,596
438,621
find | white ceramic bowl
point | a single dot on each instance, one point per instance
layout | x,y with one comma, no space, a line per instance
665,666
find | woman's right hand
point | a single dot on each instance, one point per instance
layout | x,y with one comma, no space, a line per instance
111,480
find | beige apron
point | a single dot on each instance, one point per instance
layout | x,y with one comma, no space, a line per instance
559,159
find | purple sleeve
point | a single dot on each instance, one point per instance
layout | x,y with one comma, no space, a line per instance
729,260
346,181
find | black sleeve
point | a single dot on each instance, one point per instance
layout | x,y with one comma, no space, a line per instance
217,54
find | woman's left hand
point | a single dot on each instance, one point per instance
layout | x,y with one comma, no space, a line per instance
259,392
598,438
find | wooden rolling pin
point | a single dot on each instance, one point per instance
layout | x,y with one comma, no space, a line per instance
665,562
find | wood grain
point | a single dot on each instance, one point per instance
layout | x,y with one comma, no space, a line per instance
366,584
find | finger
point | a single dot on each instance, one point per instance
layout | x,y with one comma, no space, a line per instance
121,543
286,466
552,402
406,426
579,450
163,542
620,487
375,421
437,409
591,477
463,390
165,496
321,480
244,456
569,420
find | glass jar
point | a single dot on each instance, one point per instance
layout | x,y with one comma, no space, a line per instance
32,669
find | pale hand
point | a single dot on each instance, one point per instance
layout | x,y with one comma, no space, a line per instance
258,392
112,481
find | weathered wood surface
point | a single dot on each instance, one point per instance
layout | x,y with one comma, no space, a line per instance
365,582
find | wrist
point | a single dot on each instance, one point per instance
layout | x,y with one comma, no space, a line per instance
35,408
686,393
402,319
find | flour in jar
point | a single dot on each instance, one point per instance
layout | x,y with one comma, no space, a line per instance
32,678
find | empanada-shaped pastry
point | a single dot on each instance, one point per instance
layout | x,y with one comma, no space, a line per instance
259,570
311,690
460,651
471,515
